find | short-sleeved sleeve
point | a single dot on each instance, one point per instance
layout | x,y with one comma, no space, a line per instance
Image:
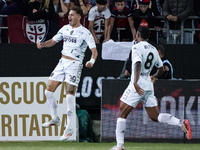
136,55
107,13
114,13
127,12
92,14
59,36
90,40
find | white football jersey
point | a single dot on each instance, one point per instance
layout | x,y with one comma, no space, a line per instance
95,15
148,56
75,41
99,19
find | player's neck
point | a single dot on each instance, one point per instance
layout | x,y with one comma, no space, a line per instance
76,25
141,40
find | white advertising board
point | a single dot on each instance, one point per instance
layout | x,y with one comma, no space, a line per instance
23,109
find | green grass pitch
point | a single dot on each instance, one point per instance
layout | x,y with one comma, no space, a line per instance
58,145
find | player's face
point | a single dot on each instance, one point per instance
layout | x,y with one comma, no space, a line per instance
74,18
101,7
143,8
120,6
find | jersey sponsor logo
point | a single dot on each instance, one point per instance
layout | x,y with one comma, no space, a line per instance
35,31
70,39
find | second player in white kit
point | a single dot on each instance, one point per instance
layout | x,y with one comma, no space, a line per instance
140,89
148,56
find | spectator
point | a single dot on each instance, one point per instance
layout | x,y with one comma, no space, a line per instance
84,4
144,16
133,6
11,7
176,11
109,3
99,17
44,9
61,7
168,69
41,9
120,9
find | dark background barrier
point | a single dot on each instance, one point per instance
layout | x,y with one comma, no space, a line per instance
180,98
25,60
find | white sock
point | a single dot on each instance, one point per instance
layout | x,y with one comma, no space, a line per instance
120,130
169,119
52,103
71,109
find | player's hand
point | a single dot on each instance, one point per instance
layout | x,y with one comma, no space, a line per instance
138,89
39,45
89,64
153,79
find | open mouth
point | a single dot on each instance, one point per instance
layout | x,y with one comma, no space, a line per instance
70,20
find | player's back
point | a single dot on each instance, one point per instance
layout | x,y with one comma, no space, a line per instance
148,55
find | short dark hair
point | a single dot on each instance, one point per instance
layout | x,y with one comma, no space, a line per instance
144,32
120,1
101,2
78,10
161,48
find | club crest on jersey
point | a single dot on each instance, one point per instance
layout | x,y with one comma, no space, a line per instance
71,32
35,31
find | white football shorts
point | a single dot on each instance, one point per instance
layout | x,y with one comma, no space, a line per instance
132,98
68,71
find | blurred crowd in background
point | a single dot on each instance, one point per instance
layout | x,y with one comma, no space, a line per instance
111,19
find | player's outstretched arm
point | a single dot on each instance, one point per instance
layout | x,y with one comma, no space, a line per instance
48,43
91,62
